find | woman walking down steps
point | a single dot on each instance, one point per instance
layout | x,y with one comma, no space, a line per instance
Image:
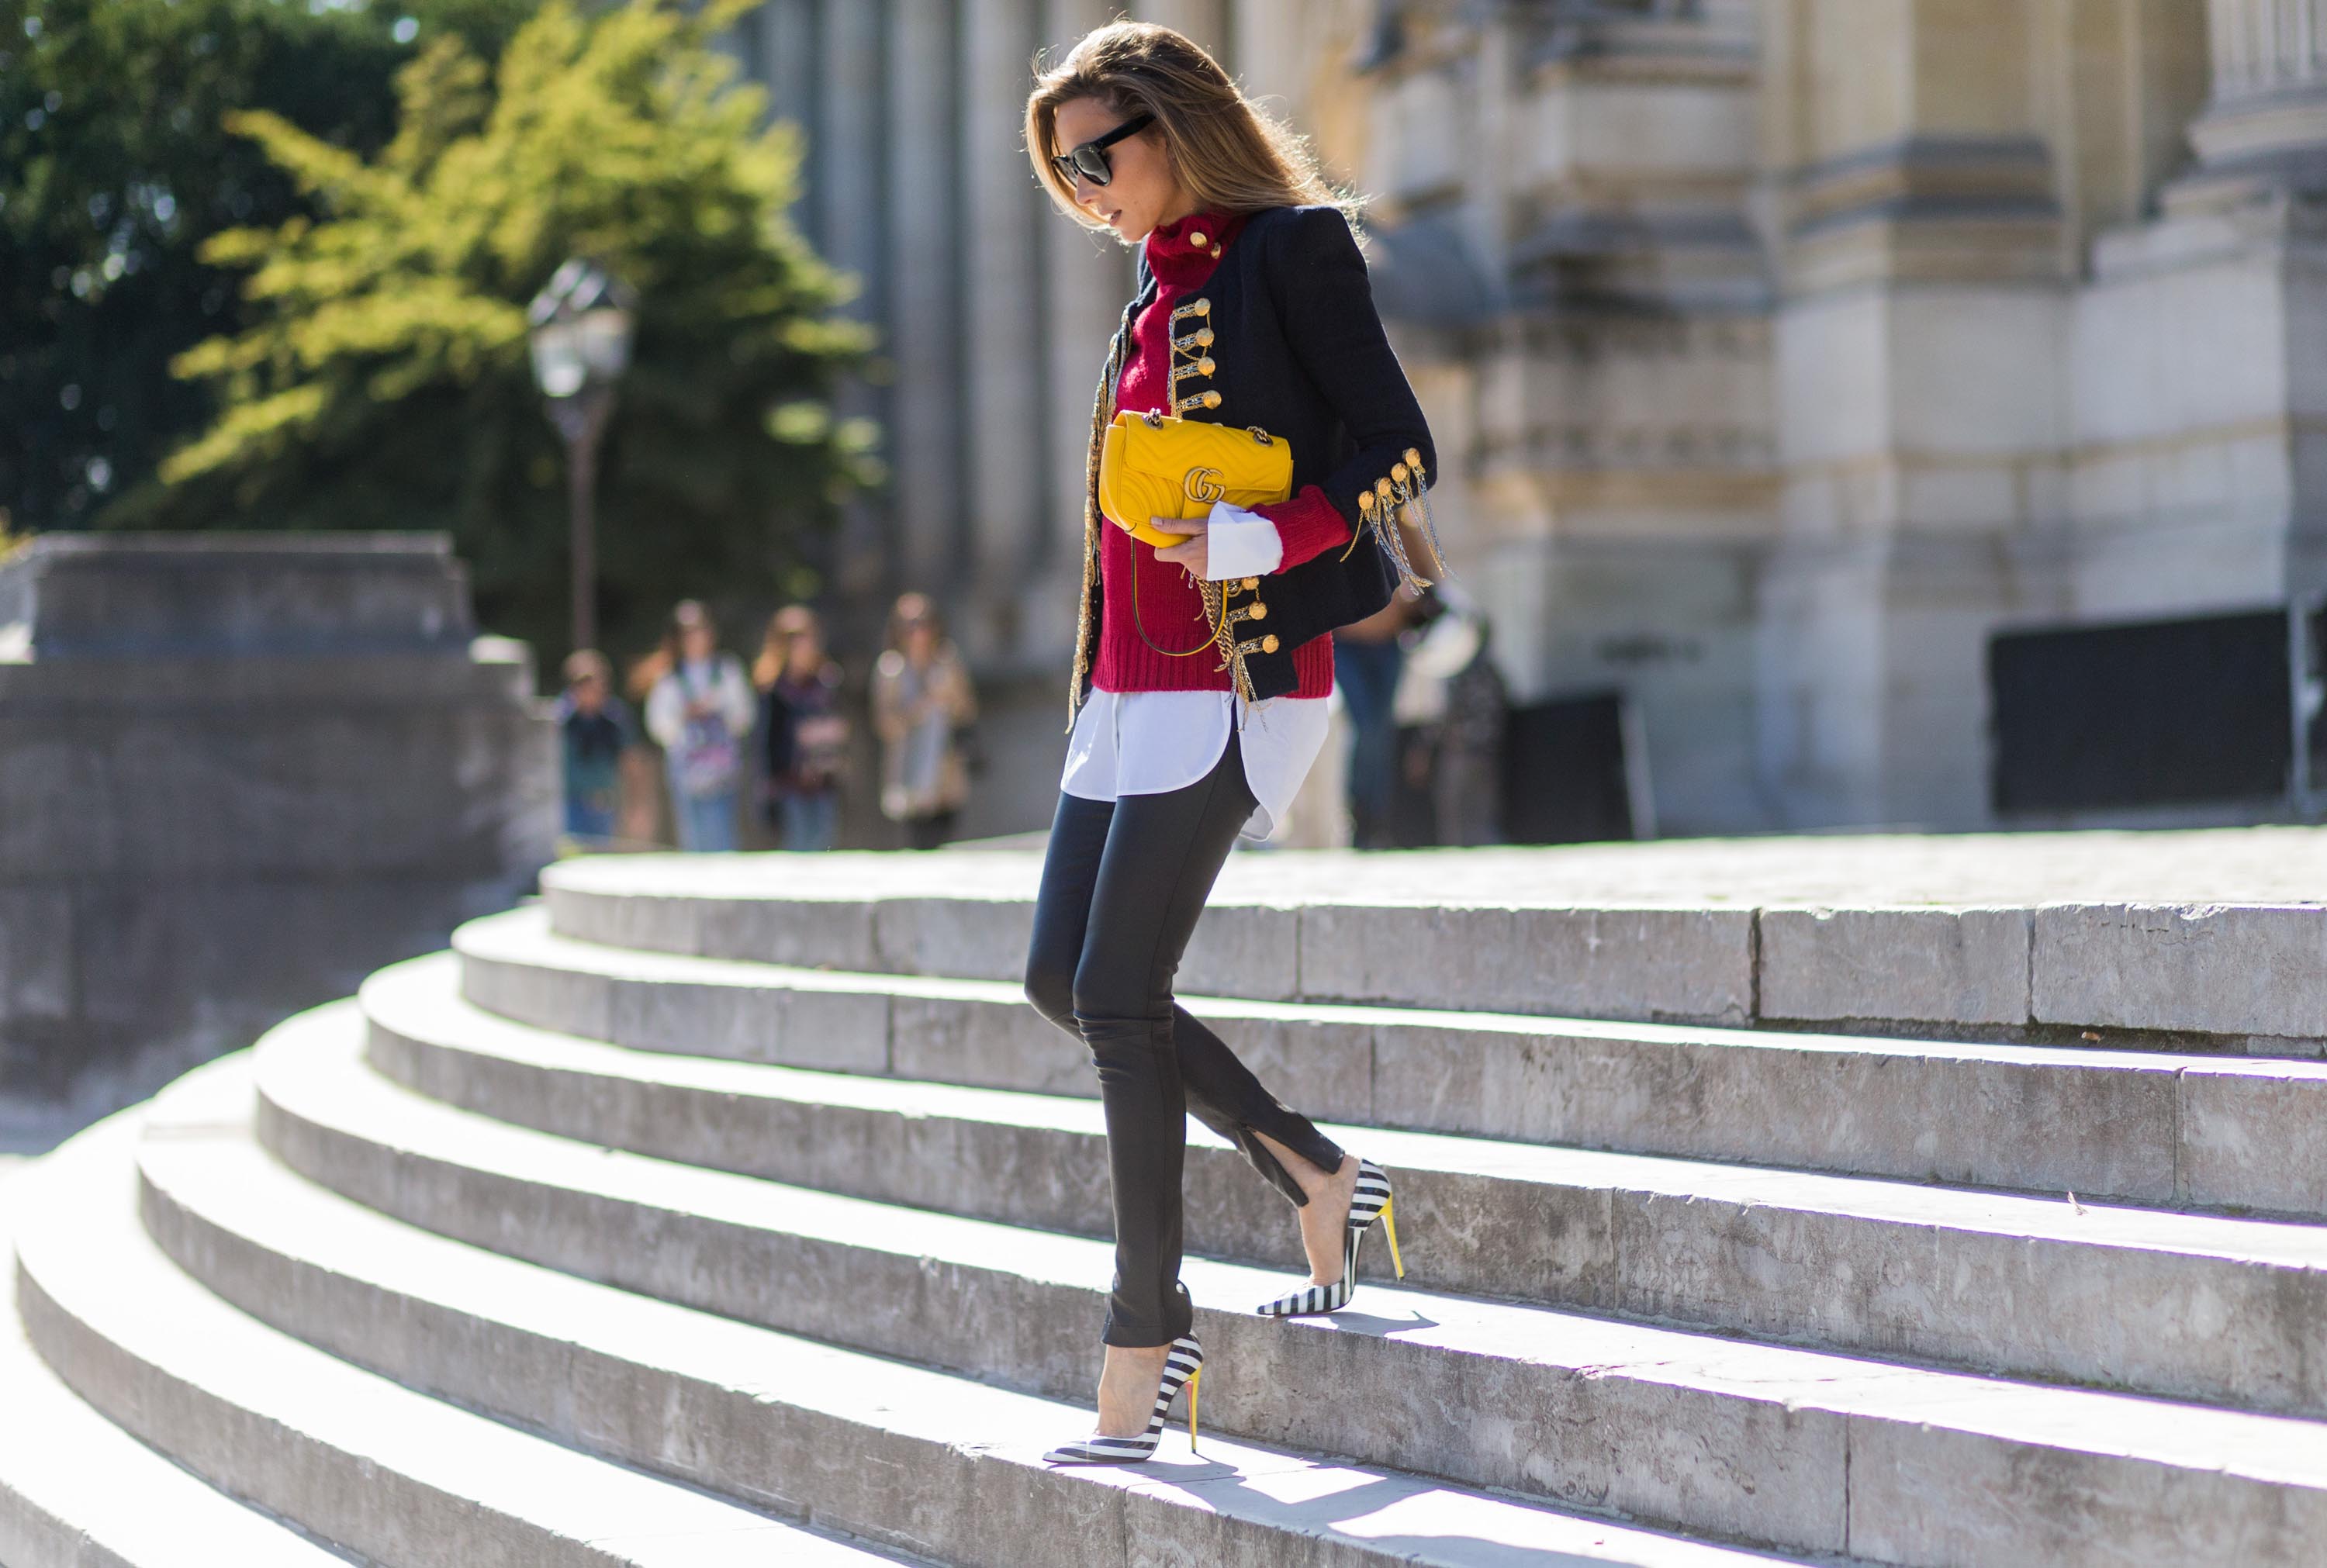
1194,717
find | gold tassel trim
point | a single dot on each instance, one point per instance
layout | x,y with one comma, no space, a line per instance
1380,507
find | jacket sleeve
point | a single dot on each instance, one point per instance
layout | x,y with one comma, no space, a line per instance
1307,525
1326,302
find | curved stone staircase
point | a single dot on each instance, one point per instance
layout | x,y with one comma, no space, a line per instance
734,1211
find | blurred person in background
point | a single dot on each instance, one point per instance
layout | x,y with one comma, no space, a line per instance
698,710
1368,655
1454,702
922,702
597,731
804,736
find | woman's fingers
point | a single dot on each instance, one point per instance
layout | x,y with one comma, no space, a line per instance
1189,552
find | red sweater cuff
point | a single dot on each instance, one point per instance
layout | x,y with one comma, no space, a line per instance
1308,525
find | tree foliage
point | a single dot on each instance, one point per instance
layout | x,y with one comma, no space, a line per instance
115,166
384,382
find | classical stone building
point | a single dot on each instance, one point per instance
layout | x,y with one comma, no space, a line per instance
1782,352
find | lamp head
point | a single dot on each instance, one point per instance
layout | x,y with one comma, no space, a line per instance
580,326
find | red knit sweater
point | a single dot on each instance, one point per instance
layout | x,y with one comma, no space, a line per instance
1171,608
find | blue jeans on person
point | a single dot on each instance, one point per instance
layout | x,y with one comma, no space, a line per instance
1366,672
810,821
588,818
705,822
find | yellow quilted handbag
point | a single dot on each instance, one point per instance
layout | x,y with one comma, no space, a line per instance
1154,465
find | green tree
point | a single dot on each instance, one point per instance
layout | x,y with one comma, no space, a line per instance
115,166
387,384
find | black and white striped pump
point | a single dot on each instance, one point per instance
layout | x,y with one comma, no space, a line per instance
1184,1364
1371,1199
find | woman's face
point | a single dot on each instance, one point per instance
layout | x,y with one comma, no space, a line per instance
695,642
1143,192
807,653
921,640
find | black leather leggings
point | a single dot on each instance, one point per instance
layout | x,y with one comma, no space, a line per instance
1122,885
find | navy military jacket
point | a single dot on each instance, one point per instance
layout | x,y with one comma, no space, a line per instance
1298,350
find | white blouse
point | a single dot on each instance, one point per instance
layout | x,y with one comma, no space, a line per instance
1146,742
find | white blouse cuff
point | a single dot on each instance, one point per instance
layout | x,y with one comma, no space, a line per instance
1240,544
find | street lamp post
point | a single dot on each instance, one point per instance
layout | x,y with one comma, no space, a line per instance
580,326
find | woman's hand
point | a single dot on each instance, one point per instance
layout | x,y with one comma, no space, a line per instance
1189,552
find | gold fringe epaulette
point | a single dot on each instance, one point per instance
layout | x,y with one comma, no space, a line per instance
1379,508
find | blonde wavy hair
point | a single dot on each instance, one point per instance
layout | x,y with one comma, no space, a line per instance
1229,155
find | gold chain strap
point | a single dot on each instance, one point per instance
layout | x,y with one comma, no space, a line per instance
1102,415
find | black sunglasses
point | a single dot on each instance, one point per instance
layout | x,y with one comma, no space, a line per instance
1090,159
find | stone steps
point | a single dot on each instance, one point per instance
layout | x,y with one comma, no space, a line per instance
2184,1131
739,1208
65,1472
2215,939
939,1464
384,1473
2200,1307
1792,1449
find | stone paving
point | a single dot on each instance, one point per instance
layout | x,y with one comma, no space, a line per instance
2242,866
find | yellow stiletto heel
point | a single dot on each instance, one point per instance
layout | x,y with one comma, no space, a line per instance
1390,1225
1194,1379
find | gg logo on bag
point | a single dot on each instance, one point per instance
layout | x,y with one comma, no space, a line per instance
1203,485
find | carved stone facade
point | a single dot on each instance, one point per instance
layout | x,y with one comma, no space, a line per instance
1781,352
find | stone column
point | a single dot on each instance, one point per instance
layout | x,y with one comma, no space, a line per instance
1267,54
786,52
2268,116
2267,46
1005,329
1201,20
1087,276
848,146
1921,347
1585,327
2202,460
926,439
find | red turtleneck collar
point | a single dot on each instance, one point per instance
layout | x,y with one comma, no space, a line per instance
1173,255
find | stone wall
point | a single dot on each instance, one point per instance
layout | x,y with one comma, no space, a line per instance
238,773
